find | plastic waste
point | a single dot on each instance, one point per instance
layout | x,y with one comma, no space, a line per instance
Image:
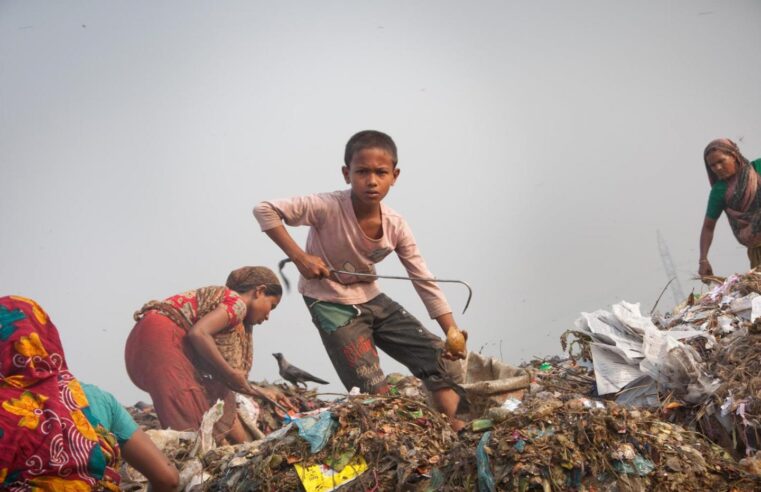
626,346
481,424
322,478
638,466
511,404
191,474
206,440
248,412
485,476
316,430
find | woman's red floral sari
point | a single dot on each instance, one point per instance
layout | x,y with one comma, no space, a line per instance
46,439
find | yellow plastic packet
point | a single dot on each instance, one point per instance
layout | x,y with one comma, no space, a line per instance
322,478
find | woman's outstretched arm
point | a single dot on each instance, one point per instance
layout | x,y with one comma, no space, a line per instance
706,238
140,452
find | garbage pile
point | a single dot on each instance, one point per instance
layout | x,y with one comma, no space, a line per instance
645,402
551,435
185,449
270,418
552,441
145,415
700,364
564,376
377,441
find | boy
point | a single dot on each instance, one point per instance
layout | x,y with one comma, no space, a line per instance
351,230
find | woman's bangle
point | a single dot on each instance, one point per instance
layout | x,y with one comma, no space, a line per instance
703,261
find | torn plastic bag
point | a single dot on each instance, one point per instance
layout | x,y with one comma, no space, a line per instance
485,476
642,392
316,430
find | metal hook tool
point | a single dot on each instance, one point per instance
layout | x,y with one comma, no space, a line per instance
282,263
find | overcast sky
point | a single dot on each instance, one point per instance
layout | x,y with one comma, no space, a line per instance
542,145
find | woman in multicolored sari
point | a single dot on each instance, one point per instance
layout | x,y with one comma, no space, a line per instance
736,190
55,433
191,349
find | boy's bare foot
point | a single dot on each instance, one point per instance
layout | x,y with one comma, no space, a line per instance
457,424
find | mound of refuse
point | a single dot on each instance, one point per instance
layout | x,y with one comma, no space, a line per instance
698,365
642,402
551,435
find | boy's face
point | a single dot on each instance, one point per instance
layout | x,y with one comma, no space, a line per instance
371,173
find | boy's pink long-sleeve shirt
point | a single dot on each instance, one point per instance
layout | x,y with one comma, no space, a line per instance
336,237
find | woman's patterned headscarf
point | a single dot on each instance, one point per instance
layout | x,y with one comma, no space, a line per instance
251,277
46,439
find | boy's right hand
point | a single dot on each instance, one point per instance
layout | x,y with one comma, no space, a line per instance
311,266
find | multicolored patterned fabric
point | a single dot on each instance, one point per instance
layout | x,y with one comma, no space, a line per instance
47,440
160,361
235,343
237,347
187,308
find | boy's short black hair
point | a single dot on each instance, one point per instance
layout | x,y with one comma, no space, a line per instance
368,139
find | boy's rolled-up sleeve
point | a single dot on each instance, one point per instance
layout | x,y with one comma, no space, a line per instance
430,293
302,210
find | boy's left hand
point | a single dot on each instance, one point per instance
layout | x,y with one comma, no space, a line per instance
455,347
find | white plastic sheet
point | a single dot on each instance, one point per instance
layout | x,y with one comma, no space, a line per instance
206,440
755,309
248,413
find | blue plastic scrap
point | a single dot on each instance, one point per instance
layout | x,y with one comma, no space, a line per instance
574,478
485,476
643,465
437,481
316,430
640,466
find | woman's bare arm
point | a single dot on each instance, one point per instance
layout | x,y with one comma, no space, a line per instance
140,452
706,238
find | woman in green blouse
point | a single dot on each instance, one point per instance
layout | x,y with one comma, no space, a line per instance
736,190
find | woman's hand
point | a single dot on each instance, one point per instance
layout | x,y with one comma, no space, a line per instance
311,266
705,269
706,238
237,380
273,395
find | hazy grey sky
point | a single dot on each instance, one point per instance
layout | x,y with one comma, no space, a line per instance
542,144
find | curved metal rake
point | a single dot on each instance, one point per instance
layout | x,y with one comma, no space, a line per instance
282,263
